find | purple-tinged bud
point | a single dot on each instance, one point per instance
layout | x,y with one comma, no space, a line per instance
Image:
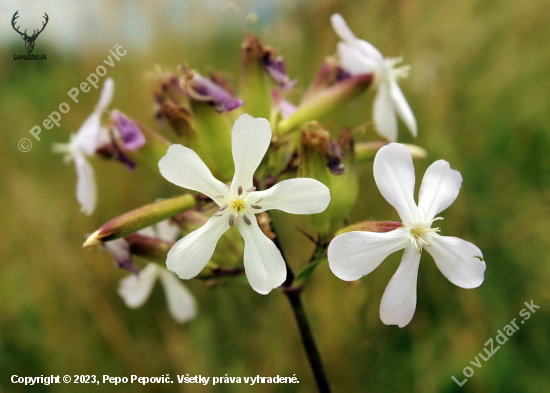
130,132
372,226
205,90
120,251
275,67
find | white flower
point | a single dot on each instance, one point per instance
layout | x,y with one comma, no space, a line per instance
360,57
84,144
136,289
239,203
353,255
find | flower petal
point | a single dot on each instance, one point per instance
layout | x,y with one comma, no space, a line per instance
86,192
135,290
344,32
295,196
250,139
183,167
167,231
460,261
383,113
263,262
88,135
106,96
120,251
402,107
394,176
341,28
353,61
181,302
190,255
399,300
439,189
353,255
148,231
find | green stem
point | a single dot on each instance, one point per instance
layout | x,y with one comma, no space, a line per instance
306,334
313,355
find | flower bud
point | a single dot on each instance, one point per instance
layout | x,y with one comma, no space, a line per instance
173,106
323,159
204,90
131,134
366,151
324,102
372,226
260,64
140,218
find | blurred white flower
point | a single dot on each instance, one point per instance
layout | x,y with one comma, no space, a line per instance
83,144
239,203
353,255
135,289
360,57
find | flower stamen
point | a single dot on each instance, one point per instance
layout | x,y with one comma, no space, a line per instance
238,205
418,240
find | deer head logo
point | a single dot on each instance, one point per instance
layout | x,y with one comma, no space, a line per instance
29,41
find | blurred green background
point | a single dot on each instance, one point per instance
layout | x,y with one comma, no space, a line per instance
479,88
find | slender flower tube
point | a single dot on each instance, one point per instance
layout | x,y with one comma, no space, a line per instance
360,57
83,144
239,203
353,255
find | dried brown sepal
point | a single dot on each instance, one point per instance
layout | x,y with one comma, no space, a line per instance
318,139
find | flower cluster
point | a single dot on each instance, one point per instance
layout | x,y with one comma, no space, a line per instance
244,152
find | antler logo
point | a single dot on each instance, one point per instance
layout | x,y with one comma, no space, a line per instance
29,41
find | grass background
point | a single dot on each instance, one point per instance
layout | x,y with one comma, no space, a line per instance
479,88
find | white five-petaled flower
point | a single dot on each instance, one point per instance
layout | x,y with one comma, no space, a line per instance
83,144
353,255
360,57
136,289
239,203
